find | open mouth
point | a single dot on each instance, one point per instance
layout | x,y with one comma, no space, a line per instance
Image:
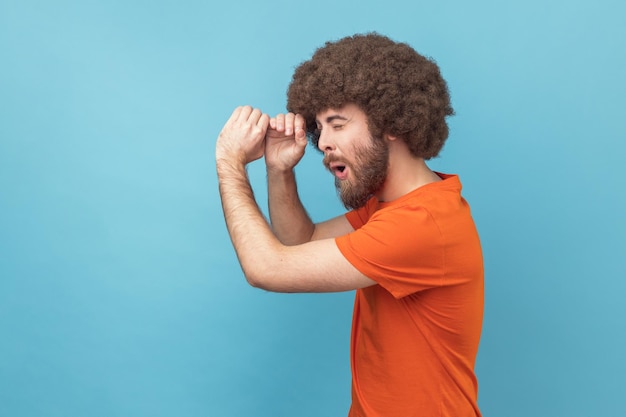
340,170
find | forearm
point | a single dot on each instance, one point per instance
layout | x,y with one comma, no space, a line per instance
290,221
250,234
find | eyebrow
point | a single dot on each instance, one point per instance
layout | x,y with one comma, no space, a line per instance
332,118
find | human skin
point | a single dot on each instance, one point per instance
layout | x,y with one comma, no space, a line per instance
315,265
296,255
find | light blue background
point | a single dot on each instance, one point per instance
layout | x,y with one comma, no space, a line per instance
120,294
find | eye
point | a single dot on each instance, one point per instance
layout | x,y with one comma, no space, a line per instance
337,127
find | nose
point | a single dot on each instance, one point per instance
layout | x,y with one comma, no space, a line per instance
324,142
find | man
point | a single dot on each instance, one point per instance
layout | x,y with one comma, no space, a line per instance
376,109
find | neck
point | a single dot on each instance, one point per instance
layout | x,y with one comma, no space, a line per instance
405,172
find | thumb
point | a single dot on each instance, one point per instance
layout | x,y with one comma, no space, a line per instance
300,136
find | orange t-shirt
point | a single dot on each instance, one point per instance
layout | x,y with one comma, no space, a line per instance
415,335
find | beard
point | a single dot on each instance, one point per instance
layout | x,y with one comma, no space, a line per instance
369,172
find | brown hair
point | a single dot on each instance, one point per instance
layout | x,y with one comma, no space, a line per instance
402,92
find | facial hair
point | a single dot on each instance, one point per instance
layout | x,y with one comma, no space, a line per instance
369,172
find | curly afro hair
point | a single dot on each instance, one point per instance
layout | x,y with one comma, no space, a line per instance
402,92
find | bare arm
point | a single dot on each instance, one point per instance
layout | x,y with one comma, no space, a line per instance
315,266
284,147
290,222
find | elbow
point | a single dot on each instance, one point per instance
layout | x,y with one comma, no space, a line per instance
263,269
254,281
257,277
268,279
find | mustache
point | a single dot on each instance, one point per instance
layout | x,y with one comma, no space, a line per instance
330,158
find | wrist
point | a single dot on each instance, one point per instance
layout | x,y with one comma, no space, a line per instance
279,170
229,166
275,172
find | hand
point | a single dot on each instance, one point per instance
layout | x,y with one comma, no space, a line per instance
285,142
243,136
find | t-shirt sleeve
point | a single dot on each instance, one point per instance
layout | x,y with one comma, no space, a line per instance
360,216
401,249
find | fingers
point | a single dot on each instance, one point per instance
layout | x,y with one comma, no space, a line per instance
300,130
264,121
278,123
289,128
248,114
242,113
283,123
234,115
243,136
288,123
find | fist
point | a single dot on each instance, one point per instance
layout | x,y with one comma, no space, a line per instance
242,138
285,141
